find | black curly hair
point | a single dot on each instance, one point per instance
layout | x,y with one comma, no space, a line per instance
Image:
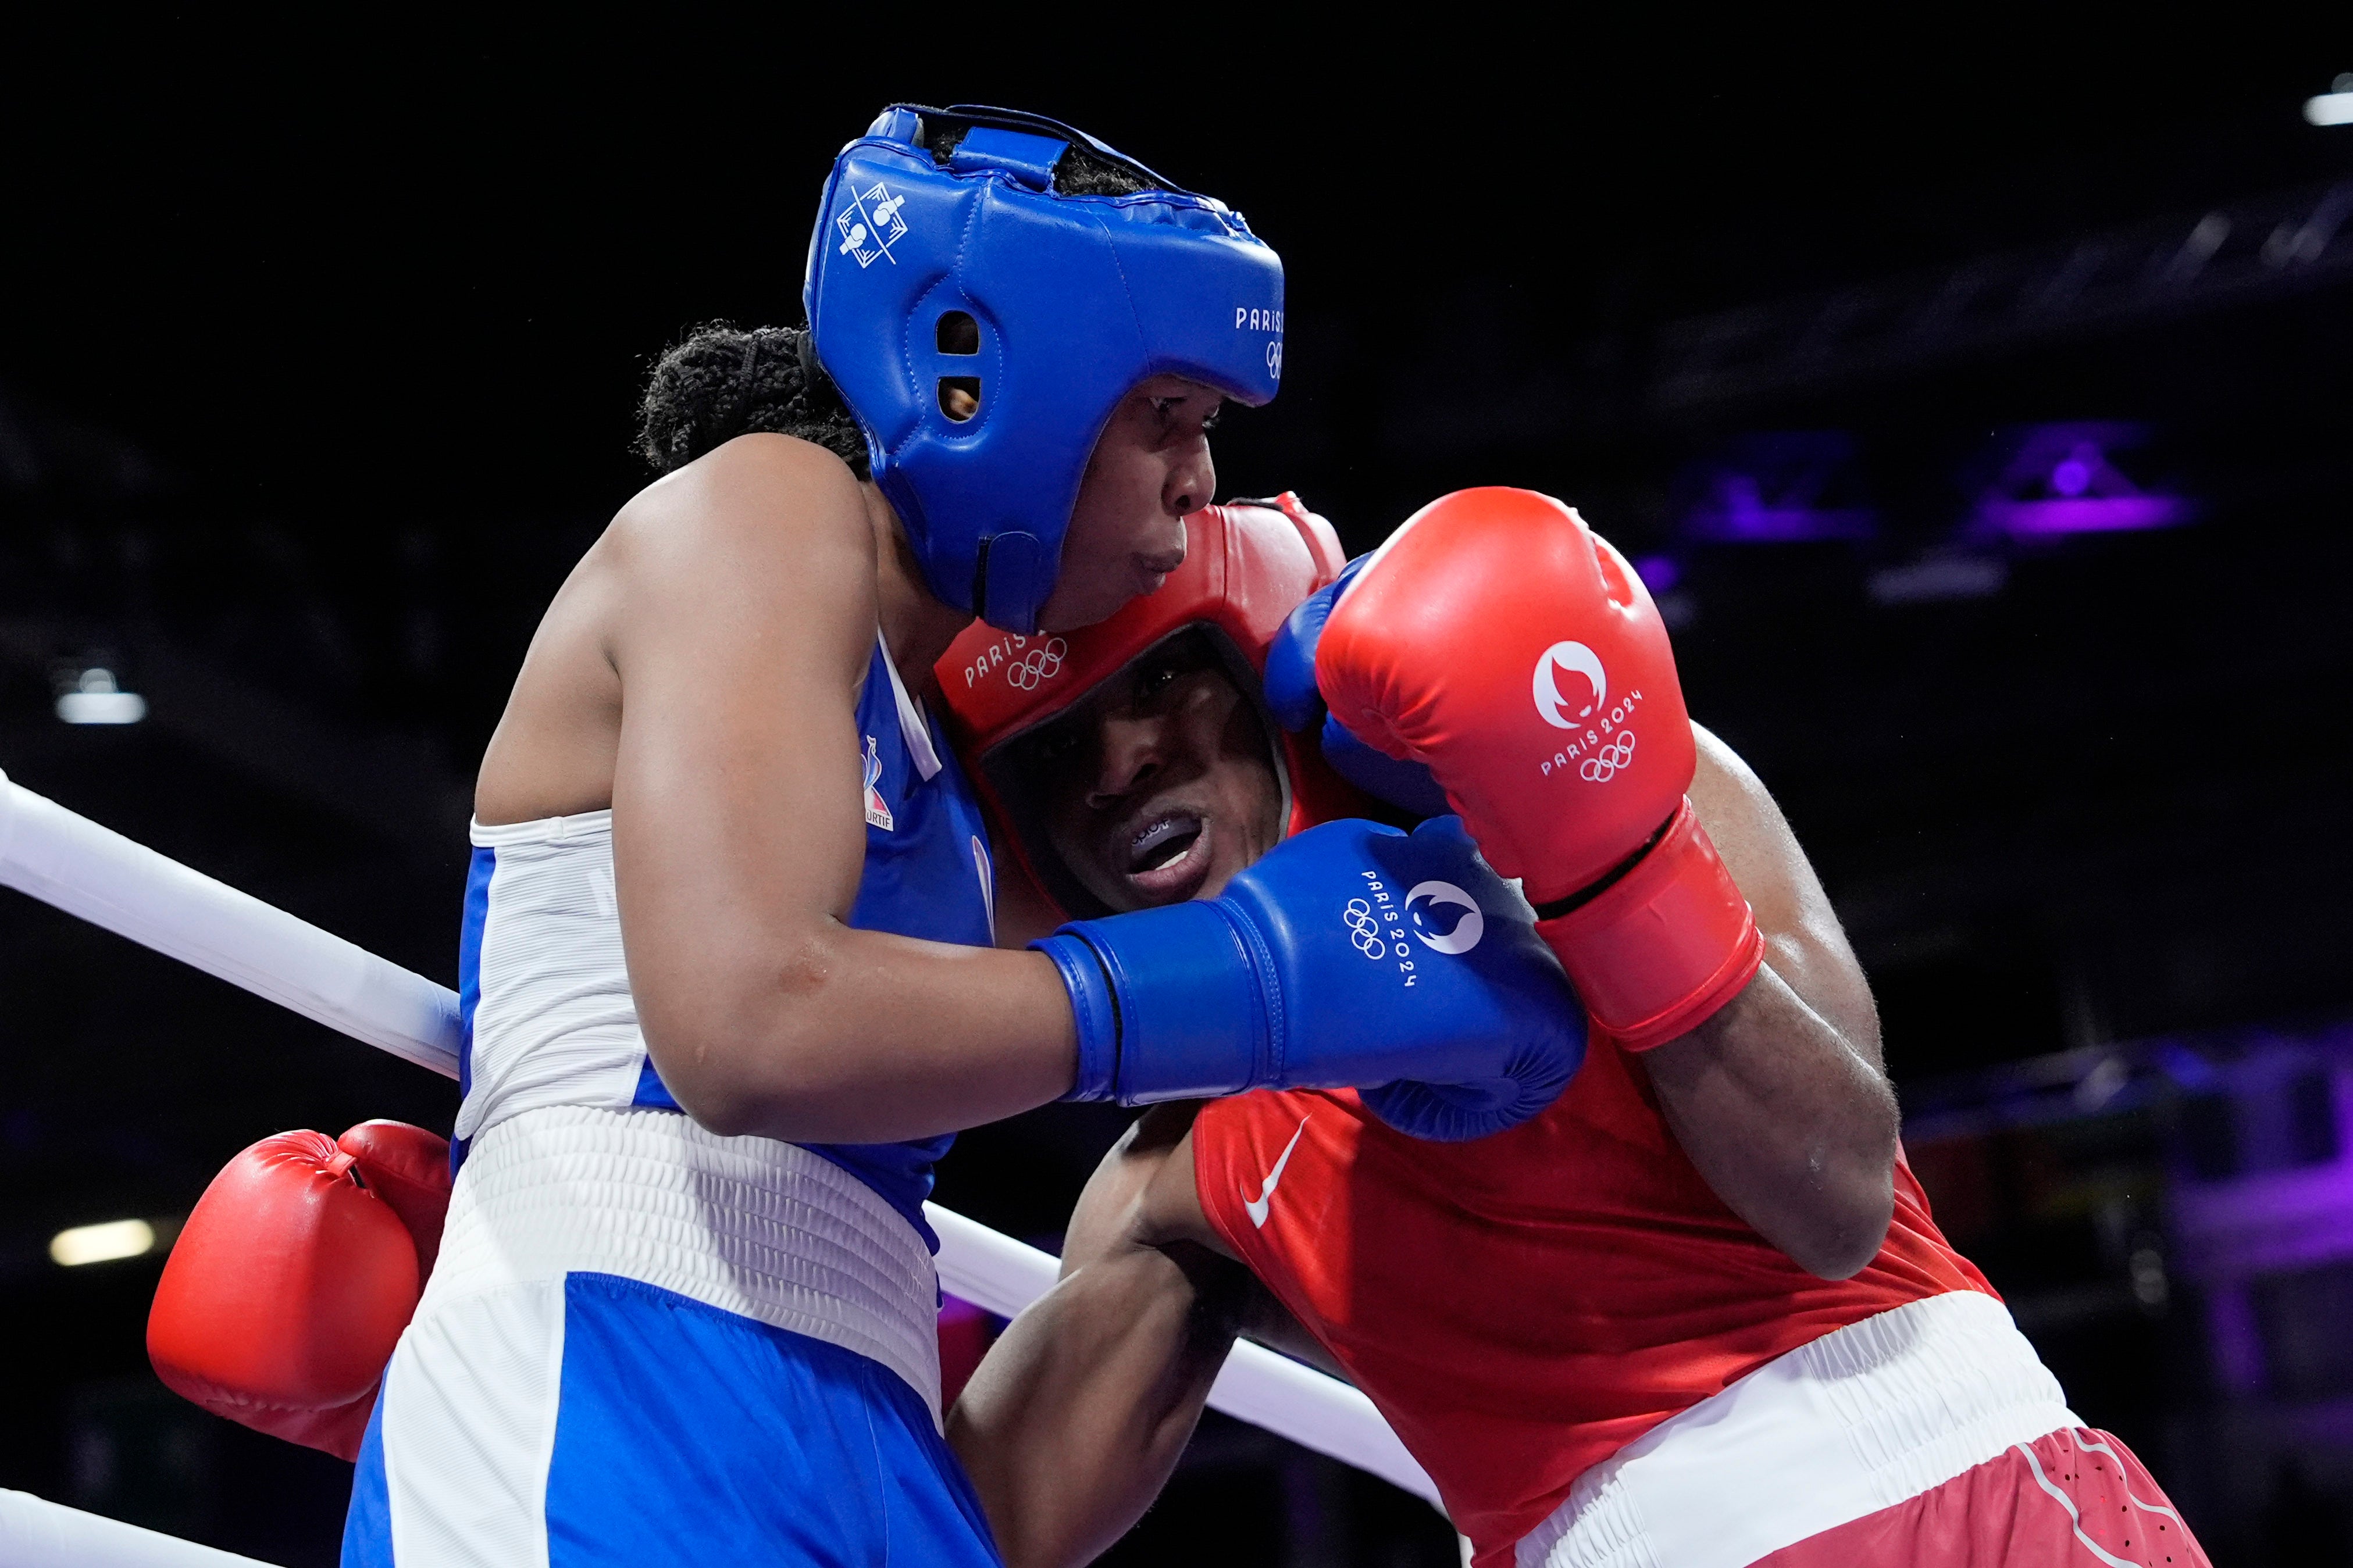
721,381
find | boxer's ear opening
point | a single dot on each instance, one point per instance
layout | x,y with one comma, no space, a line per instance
958,333
959,396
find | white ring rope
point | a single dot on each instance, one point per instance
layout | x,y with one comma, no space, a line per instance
991,1269
94,872
35,1533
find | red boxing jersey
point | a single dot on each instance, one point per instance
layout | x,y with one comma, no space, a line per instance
1522,1306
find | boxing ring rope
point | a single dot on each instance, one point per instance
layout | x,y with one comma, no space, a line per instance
71,862
94,872
35,1533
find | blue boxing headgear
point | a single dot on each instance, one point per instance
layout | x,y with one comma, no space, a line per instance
1076,299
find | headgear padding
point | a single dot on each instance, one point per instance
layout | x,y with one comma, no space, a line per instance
1247,566
1076,299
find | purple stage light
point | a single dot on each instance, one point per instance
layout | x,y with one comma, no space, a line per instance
1789,488
2060,480
2253,1232
2107,514
1659,573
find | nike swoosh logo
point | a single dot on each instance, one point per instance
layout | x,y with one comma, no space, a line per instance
1257,1205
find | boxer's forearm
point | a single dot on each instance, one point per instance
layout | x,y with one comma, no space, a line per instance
1779,1096
857,1037
1078,1414
1790,1121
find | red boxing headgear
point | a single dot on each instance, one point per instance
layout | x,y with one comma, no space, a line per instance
1247,566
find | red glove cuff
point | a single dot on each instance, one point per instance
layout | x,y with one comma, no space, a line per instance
1665,946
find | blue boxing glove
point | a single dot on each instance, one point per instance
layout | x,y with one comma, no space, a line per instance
1352,954
1297,705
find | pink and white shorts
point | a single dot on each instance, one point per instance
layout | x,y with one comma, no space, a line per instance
2071,1498
1928,1436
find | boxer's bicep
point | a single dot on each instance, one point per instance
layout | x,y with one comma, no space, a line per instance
1171,1213
747,620
1125,1204
1804,941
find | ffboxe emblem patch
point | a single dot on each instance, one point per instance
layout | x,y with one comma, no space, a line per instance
871,226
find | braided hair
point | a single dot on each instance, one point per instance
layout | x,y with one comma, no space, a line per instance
720,382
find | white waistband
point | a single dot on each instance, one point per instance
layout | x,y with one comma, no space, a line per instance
1859,1420
763,1229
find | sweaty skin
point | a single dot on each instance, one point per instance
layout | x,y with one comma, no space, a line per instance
1080,1412
699,673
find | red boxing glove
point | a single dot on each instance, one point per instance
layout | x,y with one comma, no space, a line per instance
1497,640
408,1168
292,1281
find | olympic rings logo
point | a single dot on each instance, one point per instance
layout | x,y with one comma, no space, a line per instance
1603,765
1036,666
1364,930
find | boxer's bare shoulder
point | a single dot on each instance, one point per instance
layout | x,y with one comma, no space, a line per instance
767,527
760,496
759,553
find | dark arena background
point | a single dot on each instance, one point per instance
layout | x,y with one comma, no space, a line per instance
1983,421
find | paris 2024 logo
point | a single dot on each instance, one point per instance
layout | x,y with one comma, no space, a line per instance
1441,916
1601,743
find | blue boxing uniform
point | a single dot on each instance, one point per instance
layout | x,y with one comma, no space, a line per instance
645,1343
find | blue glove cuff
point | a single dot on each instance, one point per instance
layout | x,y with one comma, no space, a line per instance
1093,1008
1191,995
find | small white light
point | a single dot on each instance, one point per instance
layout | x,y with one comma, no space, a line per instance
97,699
101,1243
2329,109
1938,577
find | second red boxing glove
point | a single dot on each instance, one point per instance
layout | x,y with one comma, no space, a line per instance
290,1283
1498,640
